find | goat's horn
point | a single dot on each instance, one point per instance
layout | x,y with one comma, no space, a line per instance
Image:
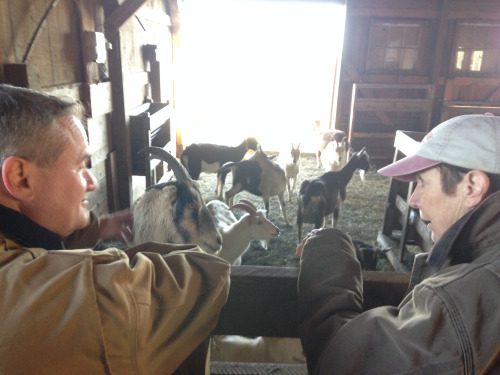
244,207
249,203
180,173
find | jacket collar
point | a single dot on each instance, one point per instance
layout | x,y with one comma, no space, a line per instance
468,238
26,232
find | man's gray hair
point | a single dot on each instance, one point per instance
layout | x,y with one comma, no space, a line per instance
29,125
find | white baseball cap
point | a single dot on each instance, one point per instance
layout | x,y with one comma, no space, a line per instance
467,141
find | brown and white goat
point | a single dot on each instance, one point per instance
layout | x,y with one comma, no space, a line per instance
174,211
323,196
259,176
289,161
323,138
335,155
208,157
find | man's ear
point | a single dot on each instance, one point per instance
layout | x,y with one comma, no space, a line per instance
16,177
477,185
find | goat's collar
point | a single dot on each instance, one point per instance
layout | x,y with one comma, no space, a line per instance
19,228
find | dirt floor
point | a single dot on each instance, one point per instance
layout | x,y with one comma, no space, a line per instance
361,215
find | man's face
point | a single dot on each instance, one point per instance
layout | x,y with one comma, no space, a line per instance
441,211
60,204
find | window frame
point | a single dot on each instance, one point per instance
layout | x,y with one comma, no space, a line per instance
468,52
420,48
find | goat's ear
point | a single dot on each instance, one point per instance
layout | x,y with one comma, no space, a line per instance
17,175
172,192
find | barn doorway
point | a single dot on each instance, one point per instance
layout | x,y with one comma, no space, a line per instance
263,68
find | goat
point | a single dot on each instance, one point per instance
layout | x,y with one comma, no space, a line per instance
259,176
368,254
324,137
208,158
335,155
289,160
174,211
238,234
322,196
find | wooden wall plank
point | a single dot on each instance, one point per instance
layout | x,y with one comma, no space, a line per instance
485,10
6,41
65,44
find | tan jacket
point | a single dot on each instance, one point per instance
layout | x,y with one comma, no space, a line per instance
87,312
448,324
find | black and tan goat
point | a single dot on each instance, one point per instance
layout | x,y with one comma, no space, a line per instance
323,196
174,211
259,176
208,158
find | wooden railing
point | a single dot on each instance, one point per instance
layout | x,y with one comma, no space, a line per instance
402,225
263,301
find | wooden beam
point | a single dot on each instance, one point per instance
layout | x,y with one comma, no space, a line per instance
120,15
175,17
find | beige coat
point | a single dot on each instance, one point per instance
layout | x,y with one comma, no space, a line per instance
448,324
87,312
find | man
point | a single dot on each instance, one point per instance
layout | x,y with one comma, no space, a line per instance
449,323
139,311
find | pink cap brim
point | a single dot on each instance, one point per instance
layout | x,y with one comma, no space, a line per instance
406,168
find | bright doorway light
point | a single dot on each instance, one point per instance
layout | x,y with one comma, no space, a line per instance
257,68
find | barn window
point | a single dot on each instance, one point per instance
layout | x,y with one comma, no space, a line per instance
395,46
477,48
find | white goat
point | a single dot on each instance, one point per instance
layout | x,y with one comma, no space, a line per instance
335,155
289,161
238,234
323,138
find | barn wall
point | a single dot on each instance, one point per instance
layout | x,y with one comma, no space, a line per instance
447,88
59,63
